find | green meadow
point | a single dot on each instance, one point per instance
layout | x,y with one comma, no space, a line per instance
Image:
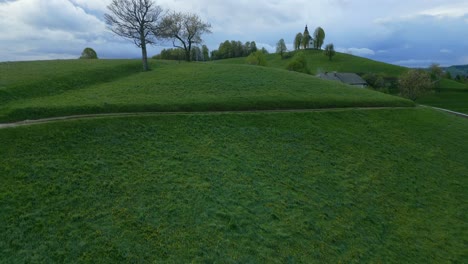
340,186
173,87
452,95
197,173
341,62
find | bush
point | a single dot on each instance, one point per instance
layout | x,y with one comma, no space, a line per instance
298,63
257,58
415,83
88,53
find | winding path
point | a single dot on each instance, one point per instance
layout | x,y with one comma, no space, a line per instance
92,116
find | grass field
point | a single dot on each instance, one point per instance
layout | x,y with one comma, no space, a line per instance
171,87
327,187
452,95
343,185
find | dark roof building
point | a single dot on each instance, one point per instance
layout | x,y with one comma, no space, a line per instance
348,78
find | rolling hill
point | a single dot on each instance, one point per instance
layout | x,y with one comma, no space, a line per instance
206,177
342,62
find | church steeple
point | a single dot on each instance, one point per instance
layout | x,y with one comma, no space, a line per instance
306,31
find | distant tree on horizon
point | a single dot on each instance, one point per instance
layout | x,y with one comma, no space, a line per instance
233,49
298,41
136,20
206,53
88,53
281,47
329,51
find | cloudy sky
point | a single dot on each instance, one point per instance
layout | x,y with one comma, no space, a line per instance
405,32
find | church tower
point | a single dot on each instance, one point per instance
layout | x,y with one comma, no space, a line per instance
306,38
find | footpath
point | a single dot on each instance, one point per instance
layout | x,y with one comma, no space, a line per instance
107,115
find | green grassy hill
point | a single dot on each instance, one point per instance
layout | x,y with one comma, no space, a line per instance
171,87
451,95
341,62
346,184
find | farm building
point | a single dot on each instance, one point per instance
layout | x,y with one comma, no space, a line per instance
348,78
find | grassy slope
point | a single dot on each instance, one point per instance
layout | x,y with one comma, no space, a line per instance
21,80
183,87
452,95
347,186
342,62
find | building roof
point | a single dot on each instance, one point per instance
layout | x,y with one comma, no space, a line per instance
348,78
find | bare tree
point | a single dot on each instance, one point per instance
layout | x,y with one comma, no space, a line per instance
185,30
136,20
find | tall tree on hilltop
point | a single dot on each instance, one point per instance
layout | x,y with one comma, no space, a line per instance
185,30
298,41
136,20
319,37
329,51
281,47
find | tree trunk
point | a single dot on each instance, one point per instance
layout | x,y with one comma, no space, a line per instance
144,54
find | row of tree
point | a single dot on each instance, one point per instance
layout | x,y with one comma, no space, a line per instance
144,23
196,54
233,49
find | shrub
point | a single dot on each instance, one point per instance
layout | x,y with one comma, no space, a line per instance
257,58
88,53
298,63
415,83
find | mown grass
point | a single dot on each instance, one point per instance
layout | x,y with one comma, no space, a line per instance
451,95
31,79
341,62
171,86
350,186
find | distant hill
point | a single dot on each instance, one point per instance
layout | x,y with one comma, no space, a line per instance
455,70
341,62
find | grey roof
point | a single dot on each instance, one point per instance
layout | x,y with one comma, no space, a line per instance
348,78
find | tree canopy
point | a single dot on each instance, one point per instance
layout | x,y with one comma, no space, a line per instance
88,53
329,51
298,41
136,20
415,83
185,30
281,47
319,37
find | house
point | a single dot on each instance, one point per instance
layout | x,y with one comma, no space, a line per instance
348,78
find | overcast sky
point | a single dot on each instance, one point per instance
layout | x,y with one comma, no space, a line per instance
404,32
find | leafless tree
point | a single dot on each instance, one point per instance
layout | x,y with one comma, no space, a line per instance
184,29
137,20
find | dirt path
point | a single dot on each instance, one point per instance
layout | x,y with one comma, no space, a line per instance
94,116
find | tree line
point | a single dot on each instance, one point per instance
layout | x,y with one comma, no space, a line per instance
233,49
144,22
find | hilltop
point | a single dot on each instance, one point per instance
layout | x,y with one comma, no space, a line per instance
342,62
